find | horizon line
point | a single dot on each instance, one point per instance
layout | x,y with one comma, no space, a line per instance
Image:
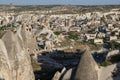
61,4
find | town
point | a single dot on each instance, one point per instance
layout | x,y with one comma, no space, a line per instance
62,40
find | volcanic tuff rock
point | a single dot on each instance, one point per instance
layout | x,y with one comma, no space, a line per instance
15,62
27,38
87,68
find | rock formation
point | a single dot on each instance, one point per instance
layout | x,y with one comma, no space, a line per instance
26,36
68,75
57,76
87,68
15,63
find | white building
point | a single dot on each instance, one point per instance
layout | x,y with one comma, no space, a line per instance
113,38
90,36
98,41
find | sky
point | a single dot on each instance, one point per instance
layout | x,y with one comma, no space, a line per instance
61,2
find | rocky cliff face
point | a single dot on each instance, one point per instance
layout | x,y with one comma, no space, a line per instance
15,63
27,38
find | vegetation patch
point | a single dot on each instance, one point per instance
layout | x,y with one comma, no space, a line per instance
112,45
73,36
105,64
5,27
57,32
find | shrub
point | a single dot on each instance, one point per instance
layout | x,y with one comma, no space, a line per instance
105,64
73,36
113,45
57,32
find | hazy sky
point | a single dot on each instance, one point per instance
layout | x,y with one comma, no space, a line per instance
46,2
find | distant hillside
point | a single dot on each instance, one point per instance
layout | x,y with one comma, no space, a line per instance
59,8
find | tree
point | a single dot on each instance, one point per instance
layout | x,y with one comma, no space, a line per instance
57,33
